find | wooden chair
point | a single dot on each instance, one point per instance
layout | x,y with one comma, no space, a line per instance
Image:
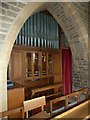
36,103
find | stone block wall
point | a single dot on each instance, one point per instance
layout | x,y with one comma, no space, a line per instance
8,13
82,8
75,39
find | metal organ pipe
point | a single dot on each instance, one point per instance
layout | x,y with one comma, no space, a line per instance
39,30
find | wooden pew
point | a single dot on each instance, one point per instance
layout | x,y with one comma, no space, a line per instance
80,111
53,101
66,98
74,94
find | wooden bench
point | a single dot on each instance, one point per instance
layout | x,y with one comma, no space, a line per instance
36,103
78,112
67,97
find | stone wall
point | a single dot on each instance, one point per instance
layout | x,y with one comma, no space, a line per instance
82,8
75,39
8,13
6,42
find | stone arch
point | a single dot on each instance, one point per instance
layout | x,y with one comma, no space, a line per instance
69,19
7,46
65,14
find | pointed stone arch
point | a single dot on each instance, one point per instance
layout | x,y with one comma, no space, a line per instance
65,14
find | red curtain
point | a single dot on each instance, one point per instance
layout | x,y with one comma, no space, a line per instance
67,71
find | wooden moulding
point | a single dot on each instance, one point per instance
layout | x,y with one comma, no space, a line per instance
46,88
27,48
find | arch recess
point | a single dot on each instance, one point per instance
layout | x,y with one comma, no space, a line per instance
27,11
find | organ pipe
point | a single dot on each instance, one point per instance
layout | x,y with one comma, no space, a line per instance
39,30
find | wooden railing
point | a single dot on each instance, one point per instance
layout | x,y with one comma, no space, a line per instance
79,112
66,98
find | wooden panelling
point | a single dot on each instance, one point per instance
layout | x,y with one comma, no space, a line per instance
56,65
57,78
38,49
17,58
12,111
15,100
37,83
16,66
48,87
56,68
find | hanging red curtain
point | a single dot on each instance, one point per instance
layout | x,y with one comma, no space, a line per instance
67,71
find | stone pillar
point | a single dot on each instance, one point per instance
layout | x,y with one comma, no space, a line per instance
3,86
